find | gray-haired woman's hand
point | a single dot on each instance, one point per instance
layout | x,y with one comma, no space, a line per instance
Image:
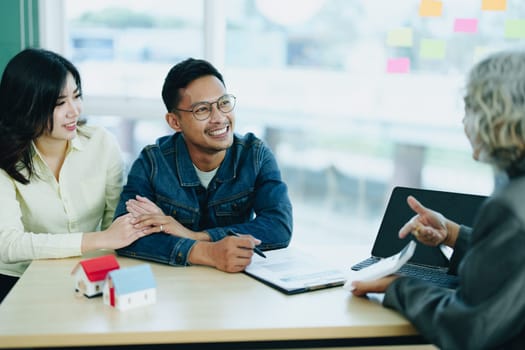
428,226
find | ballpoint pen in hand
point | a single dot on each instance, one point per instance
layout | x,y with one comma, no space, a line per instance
255,249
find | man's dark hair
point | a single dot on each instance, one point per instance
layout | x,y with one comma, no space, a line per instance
181,75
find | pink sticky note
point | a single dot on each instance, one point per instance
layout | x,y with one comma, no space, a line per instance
466,25
398,65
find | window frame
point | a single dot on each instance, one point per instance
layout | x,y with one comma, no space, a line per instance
53,36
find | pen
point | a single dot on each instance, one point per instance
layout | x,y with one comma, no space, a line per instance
255,249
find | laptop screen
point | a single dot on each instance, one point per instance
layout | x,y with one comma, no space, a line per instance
458,207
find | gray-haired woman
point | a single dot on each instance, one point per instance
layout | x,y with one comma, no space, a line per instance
487,310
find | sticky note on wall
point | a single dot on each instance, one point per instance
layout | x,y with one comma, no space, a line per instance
430,8
515,29
401,37
432,49
398,65
494,5
466,25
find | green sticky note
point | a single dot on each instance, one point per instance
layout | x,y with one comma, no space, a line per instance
432,49
402,37
515,28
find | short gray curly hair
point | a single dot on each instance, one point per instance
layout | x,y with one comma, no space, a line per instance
495,100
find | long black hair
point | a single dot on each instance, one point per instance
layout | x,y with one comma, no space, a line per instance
31,84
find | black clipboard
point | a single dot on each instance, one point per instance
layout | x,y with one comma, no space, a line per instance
292,271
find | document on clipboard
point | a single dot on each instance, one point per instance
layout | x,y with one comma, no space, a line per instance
293,271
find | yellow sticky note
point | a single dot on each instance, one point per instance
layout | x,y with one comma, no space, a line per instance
494,5
515,28
400,37
430,8
432,49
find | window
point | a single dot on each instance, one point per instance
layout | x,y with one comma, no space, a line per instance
351,100
131,44
123,50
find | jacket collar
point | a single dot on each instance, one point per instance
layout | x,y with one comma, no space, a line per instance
175,146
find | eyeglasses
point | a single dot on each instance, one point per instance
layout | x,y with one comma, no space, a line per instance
202,110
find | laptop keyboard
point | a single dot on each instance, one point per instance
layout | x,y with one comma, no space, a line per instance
433,276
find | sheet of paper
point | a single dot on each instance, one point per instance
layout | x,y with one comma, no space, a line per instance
293,269
382,268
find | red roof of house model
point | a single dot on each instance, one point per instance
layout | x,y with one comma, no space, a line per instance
96,269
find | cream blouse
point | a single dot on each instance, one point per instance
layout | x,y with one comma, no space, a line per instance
46,218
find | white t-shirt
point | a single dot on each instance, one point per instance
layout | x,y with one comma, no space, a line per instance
205,176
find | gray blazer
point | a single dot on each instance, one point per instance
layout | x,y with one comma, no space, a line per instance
487,311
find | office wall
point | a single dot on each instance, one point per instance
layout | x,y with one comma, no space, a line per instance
18,27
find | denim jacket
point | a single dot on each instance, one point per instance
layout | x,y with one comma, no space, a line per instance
246,195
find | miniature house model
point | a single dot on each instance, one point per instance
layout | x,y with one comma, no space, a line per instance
130,287
90,274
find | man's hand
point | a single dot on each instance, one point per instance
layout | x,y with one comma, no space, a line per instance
230,254
149,218
150,223
142,205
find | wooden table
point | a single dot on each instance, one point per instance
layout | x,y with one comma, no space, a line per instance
195,305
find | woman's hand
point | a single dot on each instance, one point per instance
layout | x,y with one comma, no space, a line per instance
376,286
429,227
120,234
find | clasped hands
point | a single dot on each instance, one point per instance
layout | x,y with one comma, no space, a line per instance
428,227
147,216
230,254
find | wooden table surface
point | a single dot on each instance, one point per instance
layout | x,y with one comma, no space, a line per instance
194,305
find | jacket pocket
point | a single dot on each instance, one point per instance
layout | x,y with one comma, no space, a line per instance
234,210
183,214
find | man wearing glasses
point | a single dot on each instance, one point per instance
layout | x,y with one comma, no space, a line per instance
209,196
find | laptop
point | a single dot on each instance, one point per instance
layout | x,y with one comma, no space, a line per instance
428,263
